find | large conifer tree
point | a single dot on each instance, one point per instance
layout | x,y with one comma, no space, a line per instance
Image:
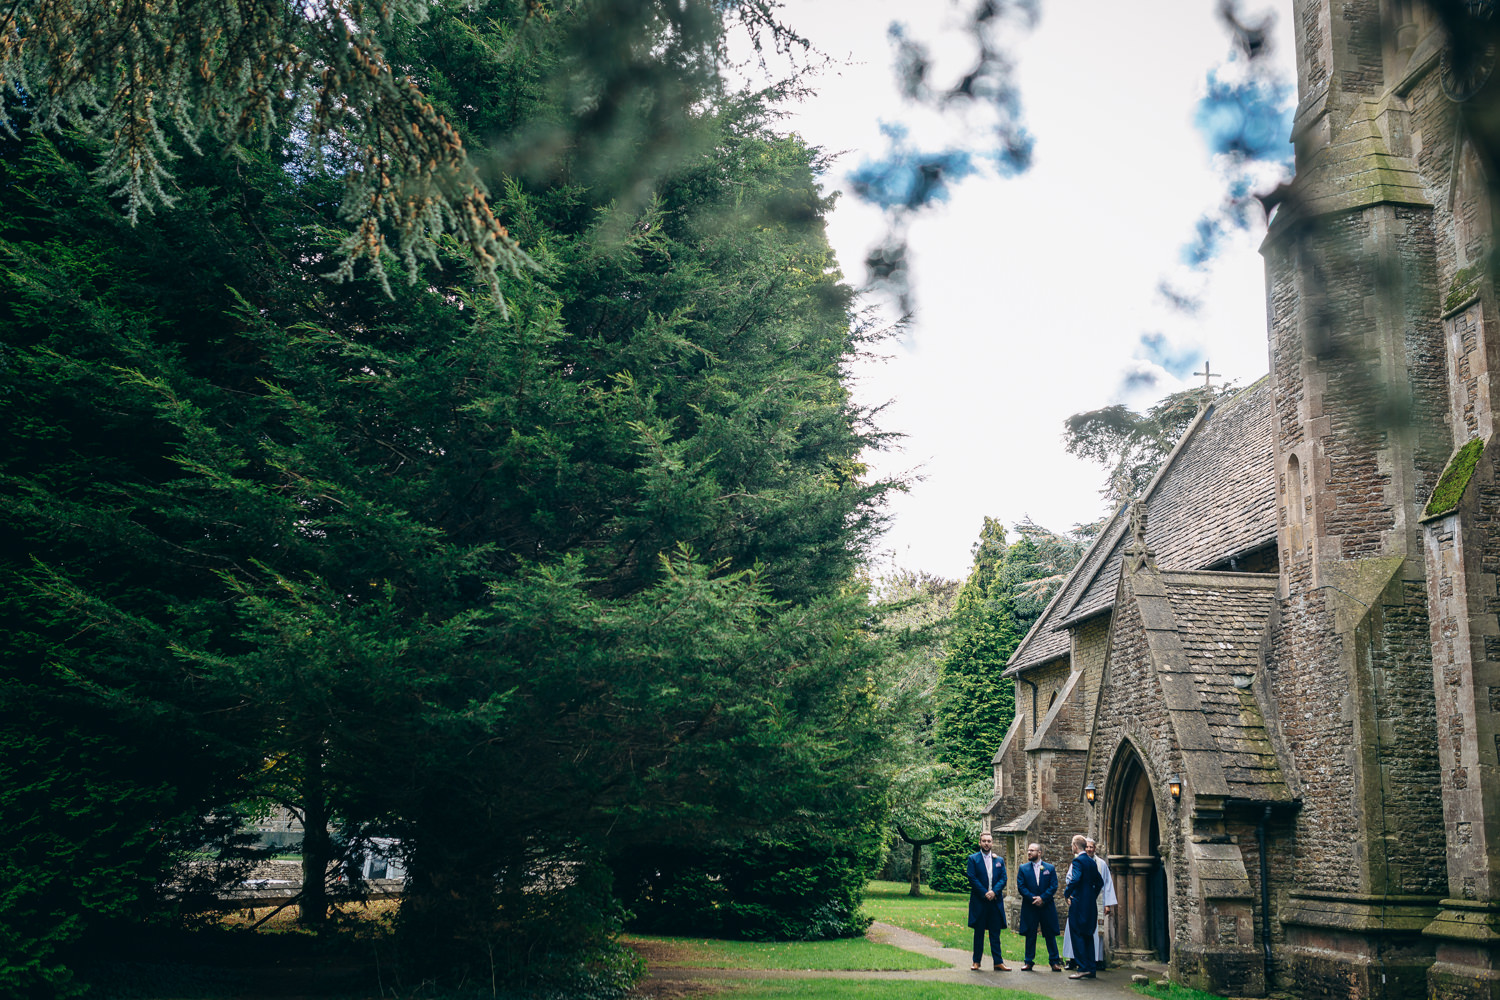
1007,590
488,577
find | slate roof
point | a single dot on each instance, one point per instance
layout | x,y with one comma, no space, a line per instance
1041,645
1046,641
1214,498
1220,620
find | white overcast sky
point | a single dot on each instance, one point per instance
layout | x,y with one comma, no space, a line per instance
1032,292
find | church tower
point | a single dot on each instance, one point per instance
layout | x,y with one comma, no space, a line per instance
1381,348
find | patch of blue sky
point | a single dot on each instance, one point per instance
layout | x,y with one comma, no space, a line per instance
1208,237
1014,155
1249,118
911,178
1246,122
1176,359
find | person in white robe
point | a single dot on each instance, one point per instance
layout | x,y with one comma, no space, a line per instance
1106,898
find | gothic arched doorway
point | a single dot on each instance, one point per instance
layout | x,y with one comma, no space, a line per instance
1133,842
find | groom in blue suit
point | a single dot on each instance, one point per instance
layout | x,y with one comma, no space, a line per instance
1037,881
987,879
1084,885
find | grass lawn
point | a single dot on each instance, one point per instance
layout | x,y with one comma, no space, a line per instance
864,989
844,954
940,915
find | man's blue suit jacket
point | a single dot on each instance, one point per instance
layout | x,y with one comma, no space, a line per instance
1035,917
1084,885
984,912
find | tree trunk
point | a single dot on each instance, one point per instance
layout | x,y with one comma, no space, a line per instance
317,847
916,857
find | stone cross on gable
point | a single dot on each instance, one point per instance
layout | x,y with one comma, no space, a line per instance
1208,385
1137,524
1137,553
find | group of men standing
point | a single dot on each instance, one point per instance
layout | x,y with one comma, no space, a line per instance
1088,885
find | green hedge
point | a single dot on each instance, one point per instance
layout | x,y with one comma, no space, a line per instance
950,863
764,892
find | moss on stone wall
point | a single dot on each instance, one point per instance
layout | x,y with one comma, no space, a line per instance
1465,283
1450,487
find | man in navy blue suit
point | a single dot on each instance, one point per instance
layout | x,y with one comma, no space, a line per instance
987,900
1037,881
1082,892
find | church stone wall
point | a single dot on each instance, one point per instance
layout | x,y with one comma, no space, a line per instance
1315,716
1070,814
1382,661
1039,685
1312,69
1425,354
1012,785
1405,710
1362,62
1464,333
1045,776
1432,142
1354,514
1132,707
1284,877
1090,646
1357,344
1060,771
1049,776
1361,358
1463,555
1286,347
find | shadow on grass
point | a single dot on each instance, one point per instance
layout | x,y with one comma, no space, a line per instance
355,958
223,962
844,954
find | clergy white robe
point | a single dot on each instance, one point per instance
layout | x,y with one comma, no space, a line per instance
1106,898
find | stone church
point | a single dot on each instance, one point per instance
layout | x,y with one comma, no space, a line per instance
1272,687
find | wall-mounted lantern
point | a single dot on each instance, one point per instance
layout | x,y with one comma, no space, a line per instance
1174,785
1089,792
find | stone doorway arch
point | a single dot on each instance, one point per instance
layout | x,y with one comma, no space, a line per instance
1132,832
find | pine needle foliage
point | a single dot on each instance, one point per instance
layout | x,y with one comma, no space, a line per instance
138,75
321,83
